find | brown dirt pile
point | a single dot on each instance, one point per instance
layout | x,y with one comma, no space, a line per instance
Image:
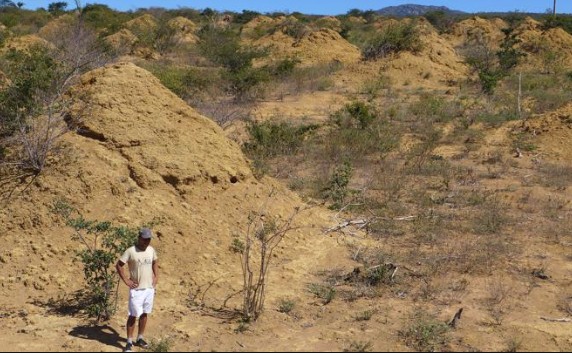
488,29
185,29
122,41
315,46
52,28
552,133
548,50
24,42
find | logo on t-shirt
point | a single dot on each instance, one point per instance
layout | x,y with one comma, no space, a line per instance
145,261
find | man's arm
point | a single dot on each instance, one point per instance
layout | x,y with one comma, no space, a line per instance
155,273
130,283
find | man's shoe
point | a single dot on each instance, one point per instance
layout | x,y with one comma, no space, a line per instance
128,347
141,343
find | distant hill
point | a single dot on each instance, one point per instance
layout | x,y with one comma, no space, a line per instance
414,10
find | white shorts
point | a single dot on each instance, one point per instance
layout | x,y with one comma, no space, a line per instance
141,301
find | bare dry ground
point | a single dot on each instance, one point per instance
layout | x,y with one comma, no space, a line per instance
144,155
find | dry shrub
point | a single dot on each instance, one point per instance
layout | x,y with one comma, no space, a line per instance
425,333
556,176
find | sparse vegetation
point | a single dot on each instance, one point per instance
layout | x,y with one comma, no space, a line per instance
426,333
286,305
160,345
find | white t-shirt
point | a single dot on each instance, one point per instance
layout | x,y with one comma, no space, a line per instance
140,265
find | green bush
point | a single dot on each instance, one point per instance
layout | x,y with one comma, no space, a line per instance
355,114
442,21
295,28
104,19
325,292
172,77
337,188
104,243
270,139
435,108
490,65
393,39
22,22
30,73
222,47
160,345
425,334
357,132
285,67
286,305
560,20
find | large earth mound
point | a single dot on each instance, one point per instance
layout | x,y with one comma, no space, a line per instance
287,38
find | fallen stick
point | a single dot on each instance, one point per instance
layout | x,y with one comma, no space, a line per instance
345,224
564,319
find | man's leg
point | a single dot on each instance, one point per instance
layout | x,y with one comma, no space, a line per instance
130,330
131,326
142,324
147,308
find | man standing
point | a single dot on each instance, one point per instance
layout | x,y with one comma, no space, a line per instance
143,274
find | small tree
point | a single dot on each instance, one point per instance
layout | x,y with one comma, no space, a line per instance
221,45
104,243
492,65
57,8
263,234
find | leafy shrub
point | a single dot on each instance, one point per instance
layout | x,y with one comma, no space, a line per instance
393,39
425,334
30,72
104,243
34,105
359,346
442,21
286,305
102,18
357,136
165,38
355,114
160,345
558,21
325,292
435,108
285,67
270,139
172,77
222,47
21,22
337,189
57,8
295,28
490,65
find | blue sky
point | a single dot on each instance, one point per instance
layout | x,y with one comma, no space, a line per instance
322,7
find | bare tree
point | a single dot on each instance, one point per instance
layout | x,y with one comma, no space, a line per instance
76,50
264,233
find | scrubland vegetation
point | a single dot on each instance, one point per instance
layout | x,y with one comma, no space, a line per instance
408,162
